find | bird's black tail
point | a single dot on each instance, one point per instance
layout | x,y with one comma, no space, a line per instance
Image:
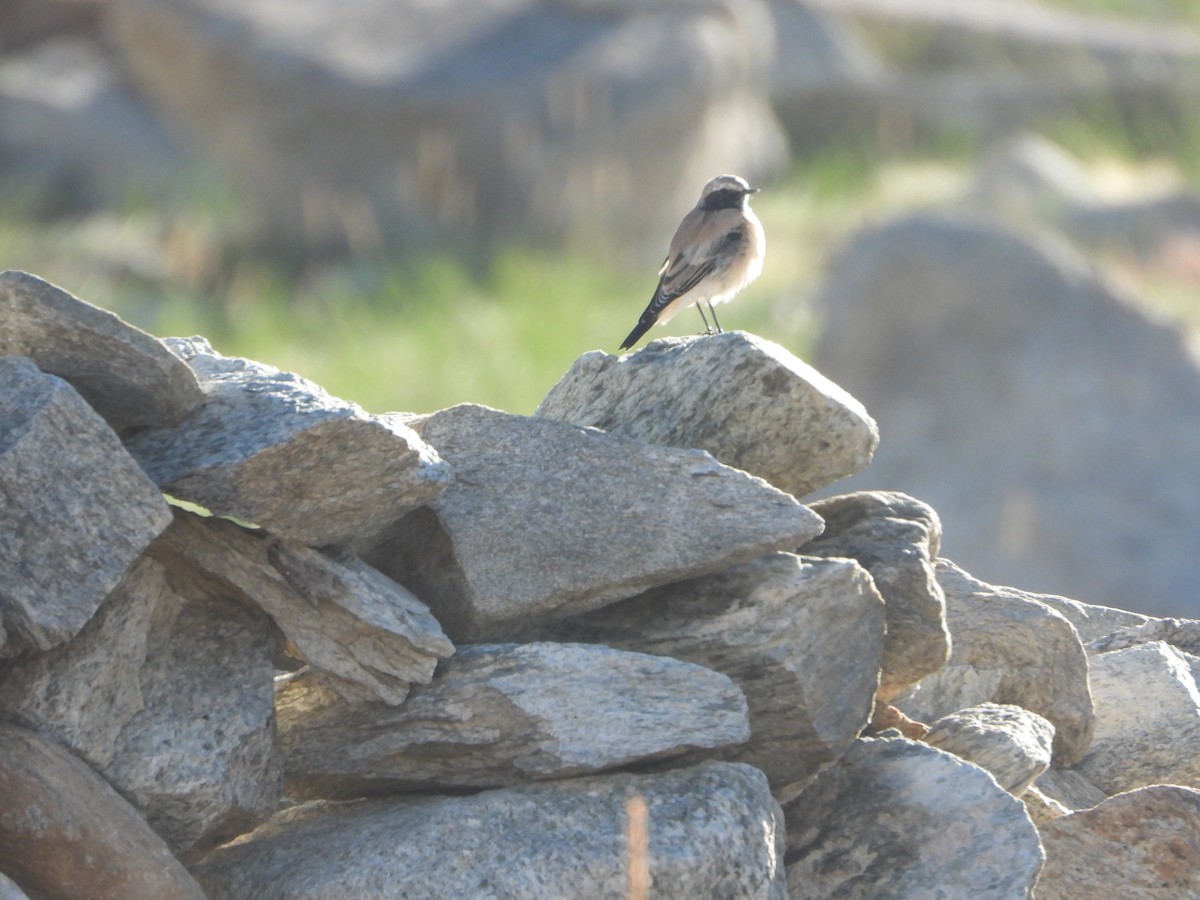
644,324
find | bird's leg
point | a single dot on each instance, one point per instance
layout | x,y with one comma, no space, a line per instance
720,330
707,328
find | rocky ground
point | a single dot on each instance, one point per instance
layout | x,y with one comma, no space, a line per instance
260,643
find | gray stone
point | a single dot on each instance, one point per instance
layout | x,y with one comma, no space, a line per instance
502,714
1069,788
76,510
1042,808
1142,844
1147,719
747,401
507,118
64,832
545,520
713,831
899,819
167,693
896,539
361,634
272,448
1183,634
803,638
1094,622
1006,647
10,891
1016,390
127,376
1028,176
1011,743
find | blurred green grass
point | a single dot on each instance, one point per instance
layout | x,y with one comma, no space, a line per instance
426,332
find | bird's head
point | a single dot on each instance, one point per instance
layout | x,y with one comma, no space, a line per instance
726,191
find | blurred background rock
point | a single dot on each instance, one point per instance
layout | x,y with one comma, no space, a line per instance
982,219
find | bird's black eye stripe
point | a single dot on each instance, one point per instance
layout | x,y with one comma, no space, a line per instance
726,198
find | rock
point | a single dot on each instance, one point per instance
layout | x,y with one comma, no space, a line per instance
502,714
265,440
127,376
502,119
1143,694
803,638
545,520
1145,226
713,831
1070,789
74,137
824,76
1016,390
77,509
747,401
896,539
1093,622
167,693
1029,176
1183,634
1041,807
900,819
362,635
10,891
1145,844
1011,743
1008,648
65,833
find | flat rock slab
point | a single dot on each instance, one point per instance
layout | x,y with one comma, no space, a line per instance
713,832
895,538
362,635
64,832
746,400
1143,844
1011,743
129,377
803,638
167,693
501,714
76,509
1147,719
545,520
895,818
272,448
1007,647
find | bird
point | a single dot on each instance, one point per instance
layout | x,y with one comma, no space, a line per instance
716,251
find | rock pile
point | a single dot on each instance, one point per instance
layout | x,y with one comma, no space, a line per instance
260,643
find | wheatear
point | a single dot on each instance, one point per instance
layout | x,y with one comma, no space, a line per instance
717,250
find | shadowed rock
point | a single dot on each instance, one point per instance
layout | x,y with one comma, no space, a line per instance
713,831
1011,743
64,832
76,509
803,638
167,693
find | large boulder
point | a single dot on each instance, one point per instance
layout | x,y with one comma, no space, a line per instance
747,401
77,510
709,831
1016,391
526,116
546,520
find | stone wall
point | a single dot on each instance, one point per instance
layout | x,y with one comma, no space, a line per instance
260,643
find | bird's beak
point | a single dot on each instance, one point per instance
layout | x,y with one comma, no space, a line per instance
751,190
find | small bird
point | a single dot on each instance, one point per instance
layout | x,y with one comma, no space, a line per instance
717,250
